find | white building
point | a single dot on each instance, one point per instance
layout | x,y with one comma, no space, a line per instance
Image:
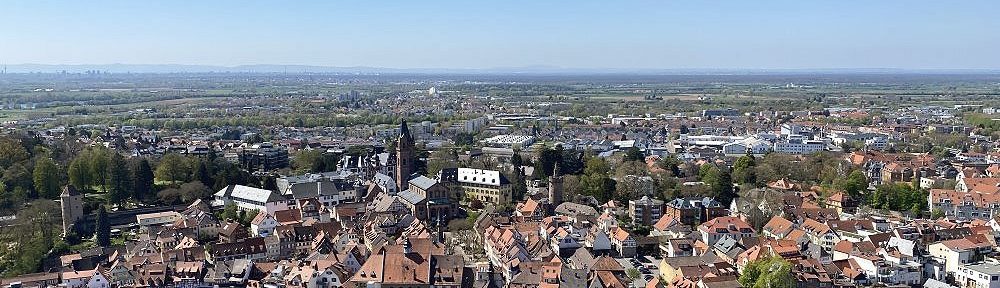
877,143
755,145
955,253
799,146
88,279
790,129
156,219
263,225
249,198
882,271
979,275
510,141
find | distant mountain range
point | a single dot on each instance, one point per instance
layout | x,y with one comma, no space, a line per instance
270,68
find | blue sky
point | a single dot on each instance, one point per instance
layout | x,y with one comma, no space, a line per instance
475,34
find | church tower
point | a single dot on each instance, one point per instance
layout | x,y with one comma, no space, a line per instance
555,187
405,157
71,202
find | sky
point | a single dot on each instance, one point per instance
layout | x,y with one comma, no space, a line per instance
658,34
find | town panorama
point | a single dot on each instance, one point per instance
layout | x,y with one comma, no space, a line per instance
292,179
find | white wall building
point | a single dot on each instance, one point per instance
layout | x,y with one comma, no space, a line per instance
510,141
249,198
980,275
799,146
159,218
755,145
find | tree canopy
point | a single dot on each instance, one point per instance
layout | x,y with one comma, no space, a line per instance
771,272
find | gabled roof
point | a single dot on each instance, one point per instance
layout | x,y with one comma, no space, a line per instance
606,263
967,243
726,224
259,219
249,193
665,222
778,226
423,182
815,227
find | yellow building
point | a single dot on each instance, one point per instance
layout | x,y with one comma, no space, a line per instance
487,186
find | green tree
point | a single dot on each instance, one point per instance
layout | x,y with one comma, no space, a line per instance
464,139
634,154
79,173
172,169
306,161
633,274
720,182
937,213
203,173
193,191
230,212
515,160
901,197
519,187
34,233
745,169
98,165
601,187
142,179
229,174
46,178
572,162
11,151
119,184
707,171
18,178
248,217
103,230
7,200
547,159
854,184
770,272
670,163
596,166
723,188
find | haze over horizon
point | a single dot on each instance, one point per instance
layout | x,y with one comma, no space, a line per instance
640,35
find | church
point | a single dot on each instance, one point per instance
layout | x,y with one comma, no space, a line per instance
406,191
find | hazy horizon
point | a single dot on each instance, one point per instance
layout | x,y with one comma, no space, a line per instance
539,69
584,35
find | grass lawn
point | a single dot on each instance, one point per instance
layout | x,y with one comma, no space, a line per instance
86,244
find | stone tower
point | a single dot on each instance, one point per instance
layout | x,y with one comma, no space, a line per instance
405,157
72,207
555,187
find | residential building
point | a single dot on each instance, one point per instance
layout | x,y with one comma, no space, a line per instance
249,198
488,186
264,157
645,211
978,275
954,253
728,226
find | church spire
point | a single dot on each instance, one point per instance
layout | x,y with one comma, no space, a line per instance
405,156
404,132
